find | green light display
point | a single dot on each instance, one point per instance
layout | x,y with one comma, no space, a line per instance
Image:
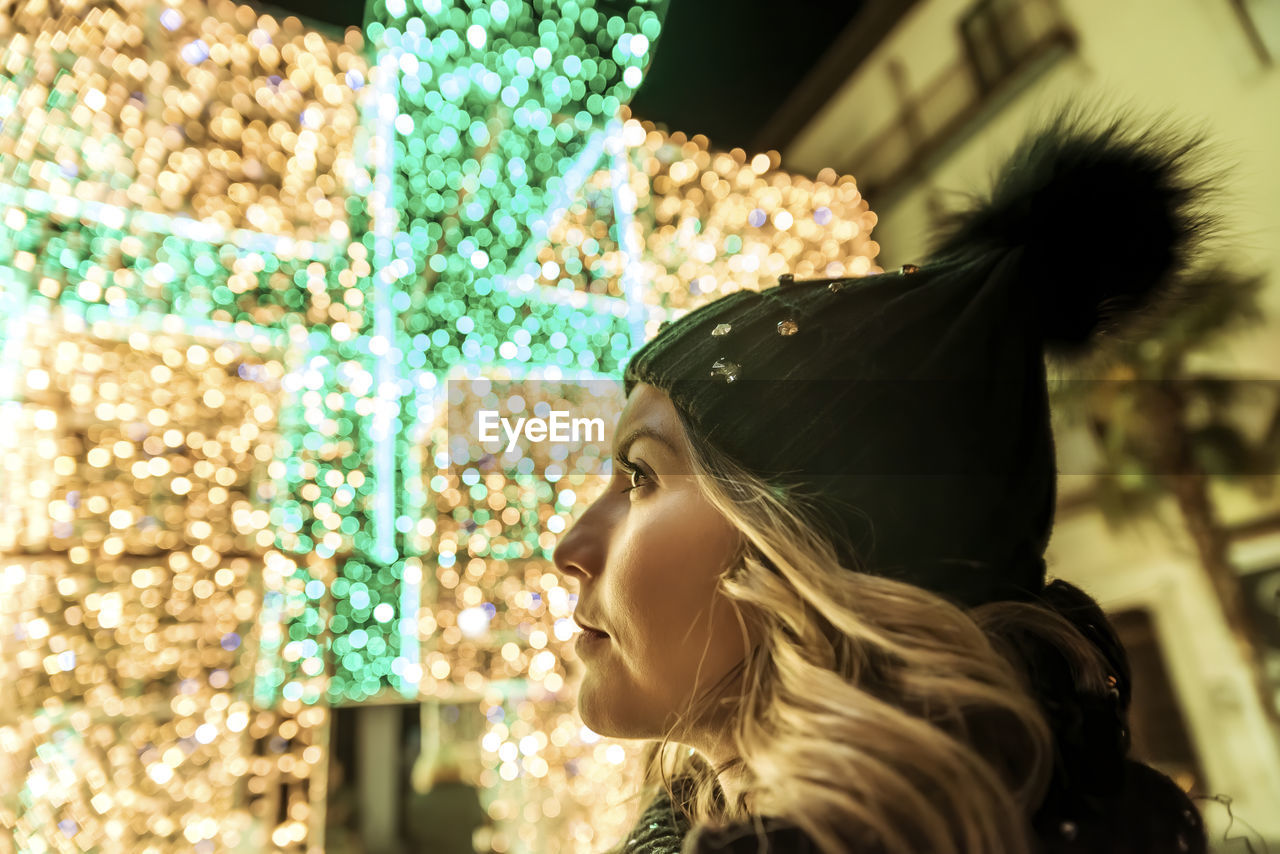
487,122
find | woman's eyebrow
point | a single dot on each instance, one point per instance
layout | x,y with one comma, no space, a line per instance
644,432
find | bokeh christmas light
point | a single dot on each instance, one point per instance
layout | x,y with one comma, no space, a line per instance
246,263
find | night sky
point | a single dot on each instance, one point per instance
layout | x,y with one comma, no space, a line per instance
722,67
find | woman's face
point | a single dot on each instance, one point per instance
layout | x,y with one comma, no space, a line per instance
647,560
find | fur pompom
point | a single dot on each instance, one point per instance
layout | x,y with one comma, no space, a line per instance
1105,216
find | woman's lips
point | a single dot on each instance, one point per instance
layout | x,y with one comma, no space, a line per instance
587,627
590,639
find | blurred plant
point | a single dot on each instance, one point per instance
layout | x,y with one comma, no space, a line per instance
1163,428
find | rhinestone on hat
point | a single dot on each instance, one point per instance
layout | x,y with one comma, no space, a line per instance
788,327
725,369
721,329
836,286
909,268
787,279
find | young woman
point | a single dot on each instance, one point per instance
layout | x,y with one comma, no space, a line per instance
816,579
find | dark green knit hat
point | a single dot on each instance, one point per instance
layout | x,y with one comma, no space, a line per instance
912,406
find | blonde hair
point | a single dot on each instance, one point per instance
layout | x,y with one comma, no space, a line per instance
867,712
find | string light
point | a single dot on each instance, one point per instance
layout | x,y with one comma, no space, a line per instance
705,223
180,189
135,529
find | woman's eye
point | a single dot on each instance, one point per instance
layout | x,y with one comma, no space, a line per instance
632,472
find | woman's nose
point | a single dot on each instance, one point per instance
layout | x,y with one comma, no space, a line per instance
581,550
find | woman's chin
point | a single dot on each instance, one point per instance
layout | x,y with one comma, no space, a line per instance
589,709
600,714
